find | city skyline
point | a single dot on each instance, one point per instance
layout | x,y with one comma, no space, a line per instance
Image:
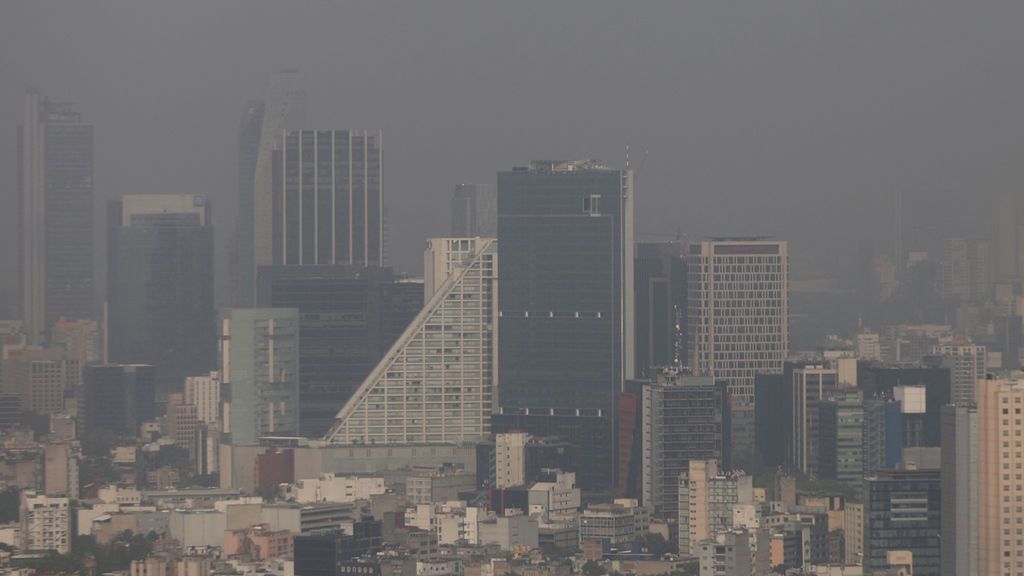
700,288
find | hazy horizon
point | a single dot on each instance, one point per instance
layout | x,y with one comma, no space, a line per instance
796,120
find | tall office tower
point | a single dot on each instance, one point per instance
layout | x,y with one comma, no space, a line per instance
160,287
260,369
566,234
960,490
349,316
1008,228
259,134
117,398
55,182
706,500
841,438
1000,488
684,418
738,320
660,292
437,382
474,211
45,522
811,385
328,202
566,332
203,392
902,511
967,366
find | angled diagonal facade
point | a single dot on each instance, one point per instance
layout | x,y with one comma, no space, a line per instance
437,383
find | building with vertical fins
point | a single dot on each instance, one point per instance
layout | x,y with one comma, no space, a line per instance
437,382
738,320
328,201
55,183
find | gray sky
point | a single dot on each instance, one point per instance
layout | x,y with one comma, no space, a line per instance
798,119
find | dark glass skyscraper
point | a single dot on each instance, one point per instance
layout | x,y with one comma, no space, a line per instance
660,306
566,282
348,318
117,398
328,201
160,286
55,180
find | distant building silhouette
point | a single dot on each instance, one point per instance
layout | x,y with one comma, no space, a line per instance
55,183
160,285
474,211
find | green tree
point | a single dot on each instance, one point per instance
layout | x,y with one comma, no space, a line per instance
592,568
654,543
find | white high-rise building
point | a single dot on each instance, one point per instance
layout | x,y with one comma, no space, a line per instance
438,382
738,320
967,367
45,523
204,393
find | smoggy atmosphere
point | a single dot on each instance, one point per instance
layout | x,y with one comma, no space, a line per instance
520,288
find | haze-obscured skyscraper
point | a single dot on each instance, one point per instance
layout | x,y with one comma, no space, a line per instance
660,292
566,236
55,182
259,135
738,320
349,316
328,202
117,398
474,211
160,286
